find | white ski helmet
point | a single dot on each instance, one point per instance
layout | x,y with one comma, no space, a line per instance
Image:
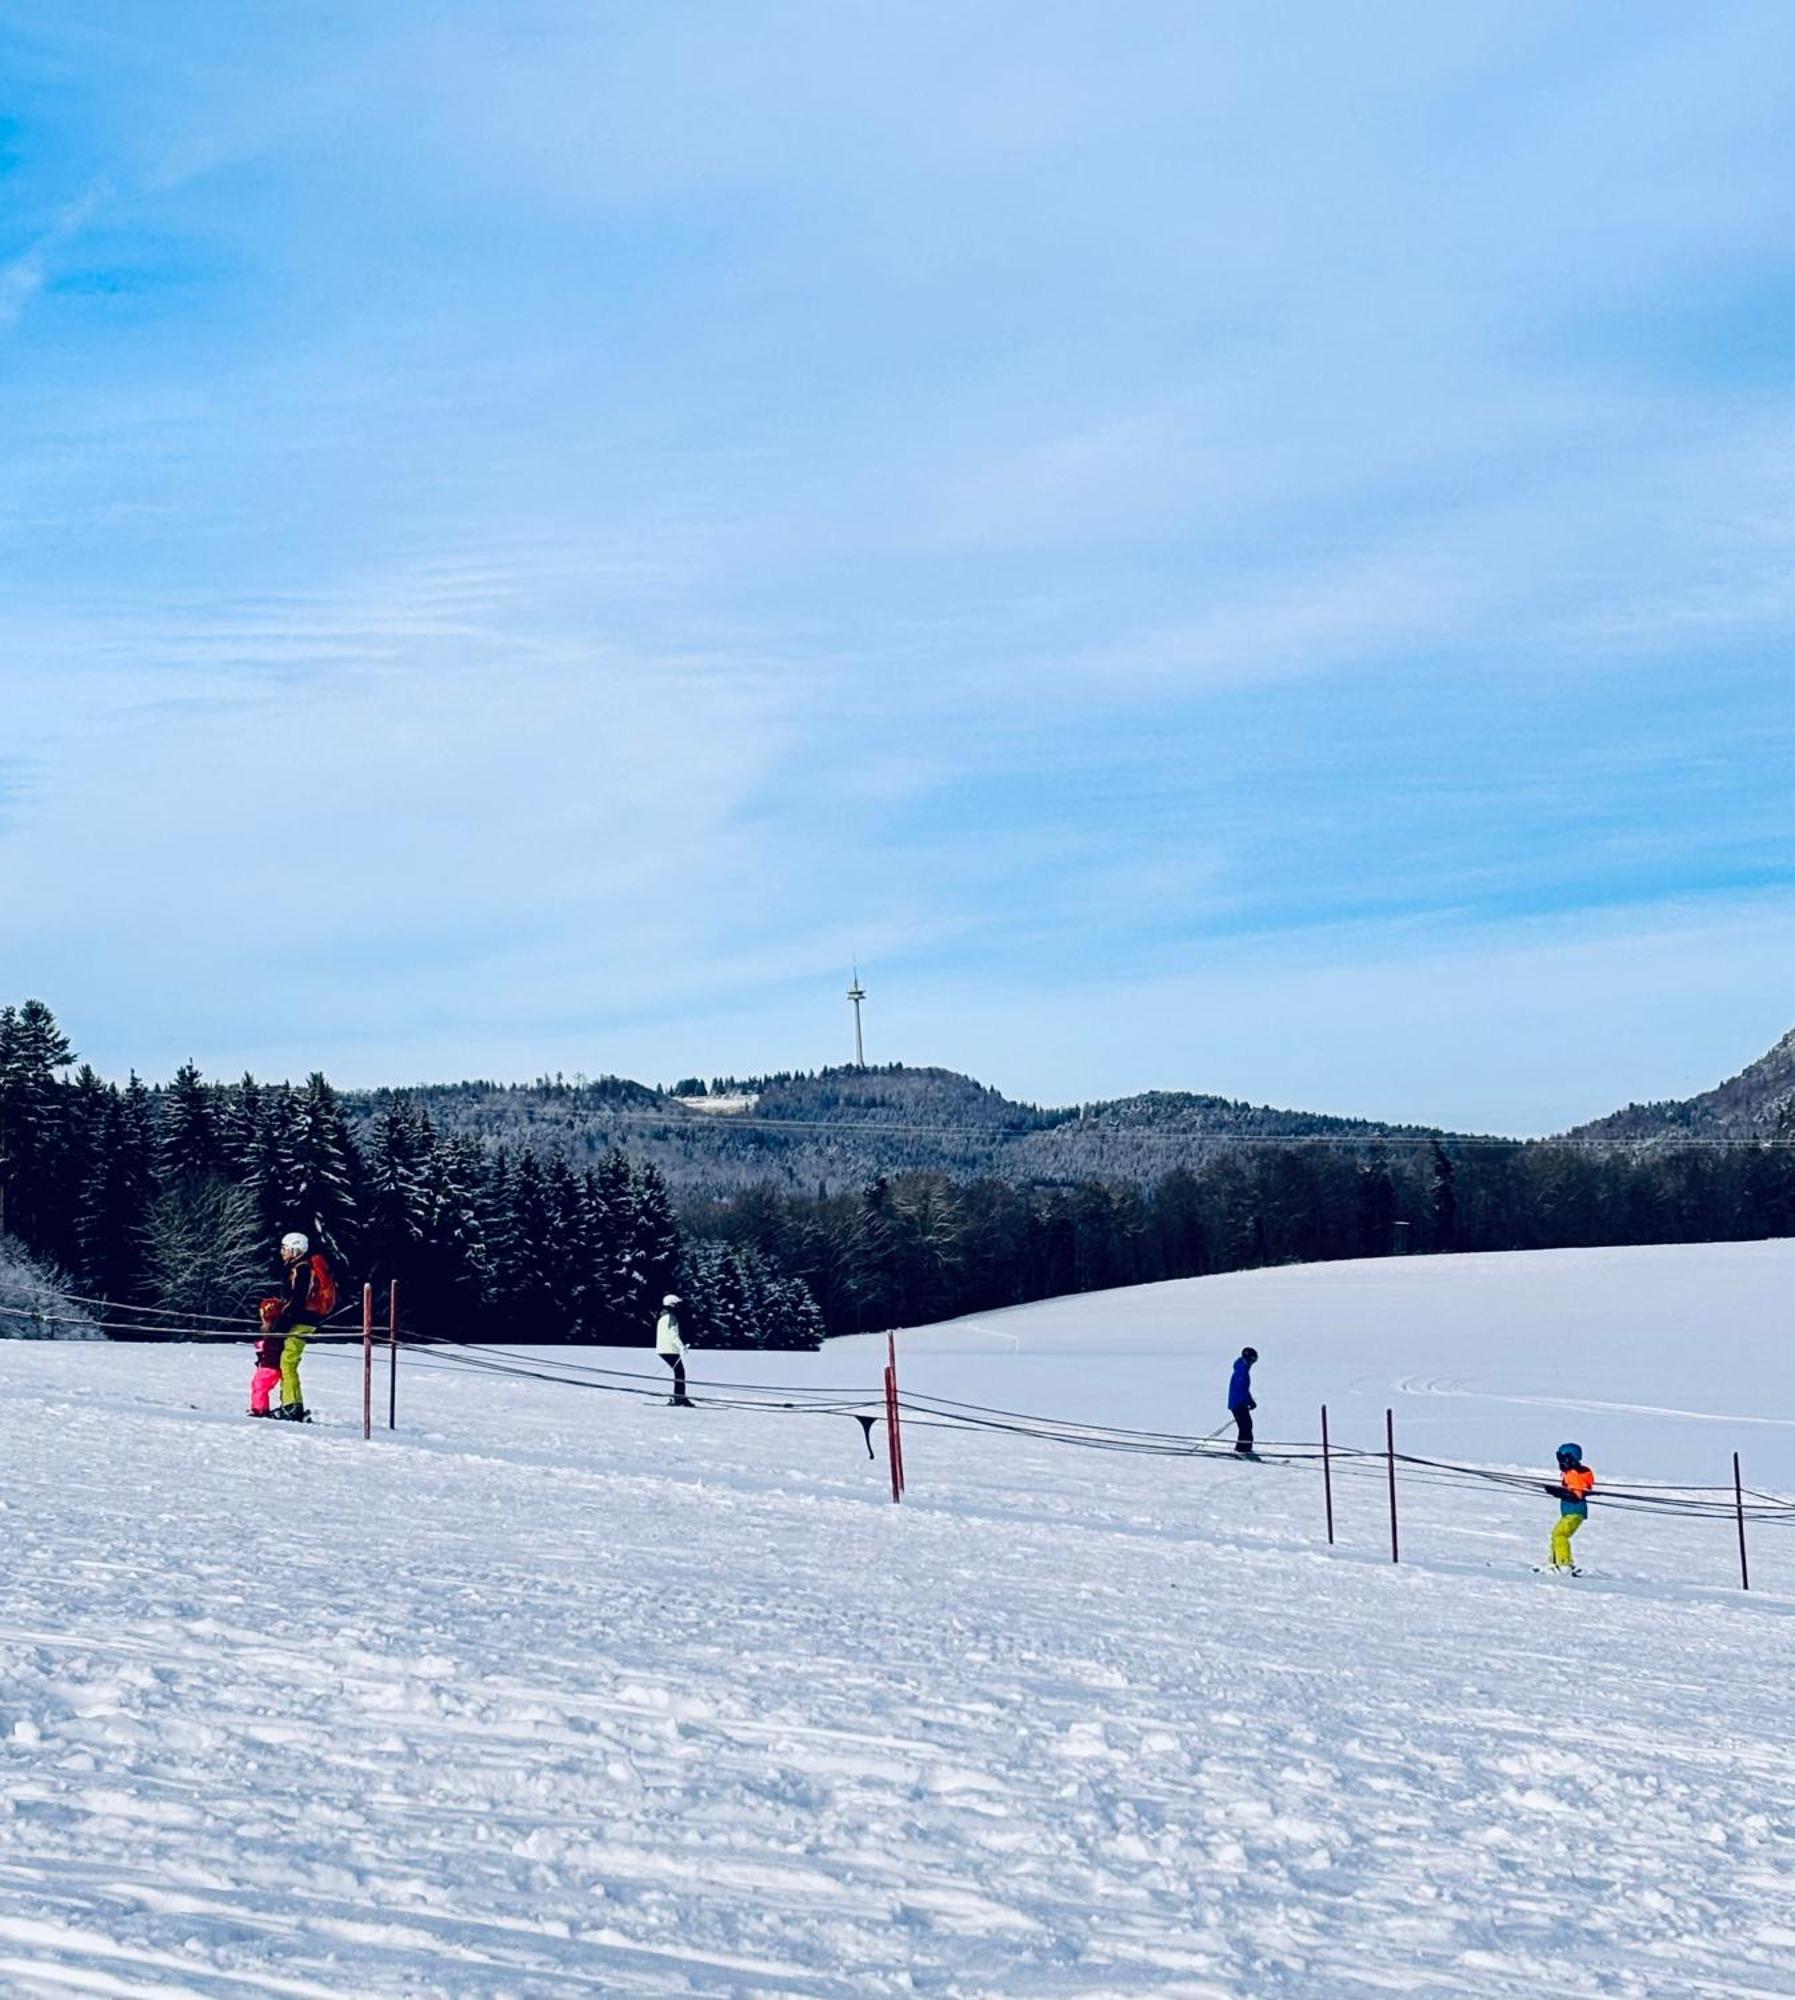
672,1299
293,1244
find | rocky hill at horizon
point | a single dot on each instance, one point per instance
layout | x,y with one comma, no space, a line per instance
1757,1104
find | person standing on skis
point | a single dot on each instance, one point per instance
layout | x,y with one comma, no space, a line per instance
1572,1494
266,1376
310,1295
1240,1399
672,1349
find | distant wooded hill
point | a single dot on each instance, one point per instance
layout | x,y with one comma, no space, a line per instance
1757,1104
839,1127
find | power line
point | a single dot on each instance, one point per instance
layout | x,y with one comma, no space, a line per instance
948,1413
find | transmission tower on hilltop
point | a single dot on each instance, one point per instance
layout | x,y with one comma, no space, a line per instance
857,993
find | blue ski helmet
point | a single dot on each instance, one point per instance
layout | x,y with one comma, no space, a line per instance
1571,1452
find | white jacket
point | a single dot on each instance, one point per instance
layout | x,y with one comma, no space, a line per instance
666,1335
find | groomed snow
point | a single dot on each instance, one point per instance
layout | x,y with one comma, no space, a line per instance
565,1693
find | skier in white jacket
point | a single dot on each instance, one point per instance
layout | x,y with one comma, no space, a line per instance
671,1349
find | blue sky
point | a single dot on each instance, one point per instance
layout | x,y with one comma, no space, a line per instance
1233,547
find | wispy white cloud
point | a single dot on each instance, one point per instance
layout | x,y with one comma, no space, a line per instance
1008,491
24,276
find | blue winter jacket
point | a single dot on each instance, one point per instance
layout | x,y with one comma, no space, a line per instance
1240,1384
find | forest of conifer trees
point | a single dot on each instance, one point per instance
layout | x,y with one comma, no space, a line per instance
173,1197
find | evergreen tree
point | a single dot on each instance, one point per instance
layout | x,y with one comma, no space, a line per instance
326,1206
398,1196
1443,1194
85,1112
1377,1210
240,1114
598,1248
571,1282
32,1051
449,1296
875,1286
503,1255
623,1283
653,1242
189,1129
118,1187
531,1306
274,1172
114,1203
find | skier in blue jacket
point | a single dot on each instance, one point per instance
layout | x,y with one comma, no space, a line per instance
1240,1398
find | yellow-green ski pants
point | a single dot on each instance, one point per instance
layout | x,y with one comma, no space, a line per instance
289,1363
1568,1524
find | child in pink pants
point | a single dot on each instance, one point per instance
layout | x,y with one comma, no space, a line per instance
267,1370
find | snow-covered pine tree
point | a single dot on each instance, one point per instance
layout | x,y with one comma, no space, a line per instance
239,1119
598,1237
450,1295
117,1188
327,1204
654,1235
499,1231
789,1315
570,1274
397,1218
530,1287
274,1172
625,1289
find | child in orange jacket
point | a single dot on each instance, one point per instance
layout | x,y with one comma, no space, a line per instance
1572,1494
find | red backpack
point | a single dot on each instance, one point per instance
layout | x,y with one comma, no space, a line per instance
321,1295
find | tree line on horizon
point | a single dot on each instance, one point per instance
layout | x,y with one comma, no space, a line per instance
173,1197
919,1247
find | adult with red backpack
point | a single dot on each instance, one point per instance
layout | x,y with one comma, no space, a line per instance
310,1297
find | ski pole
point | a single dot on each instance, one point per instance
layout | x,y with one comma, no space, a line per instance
1327,1473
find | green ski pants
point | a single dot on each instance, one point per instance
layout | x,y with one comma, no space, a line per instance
289,1363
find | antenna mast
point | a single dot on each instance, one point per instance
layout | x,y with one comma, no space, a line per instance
857,993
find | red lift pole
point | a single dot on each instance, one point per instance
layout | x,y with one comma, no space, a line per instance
894,1434
392,1356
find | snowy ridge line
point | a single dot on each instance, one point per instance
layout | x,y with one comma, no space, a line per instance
1164,1135
1697,1501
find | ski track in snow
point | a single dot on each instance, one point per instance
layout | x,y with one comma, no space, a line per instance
1421,1385
565,1694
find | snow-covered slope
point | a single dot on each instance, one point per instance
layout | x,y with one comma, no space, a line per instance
568,1693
